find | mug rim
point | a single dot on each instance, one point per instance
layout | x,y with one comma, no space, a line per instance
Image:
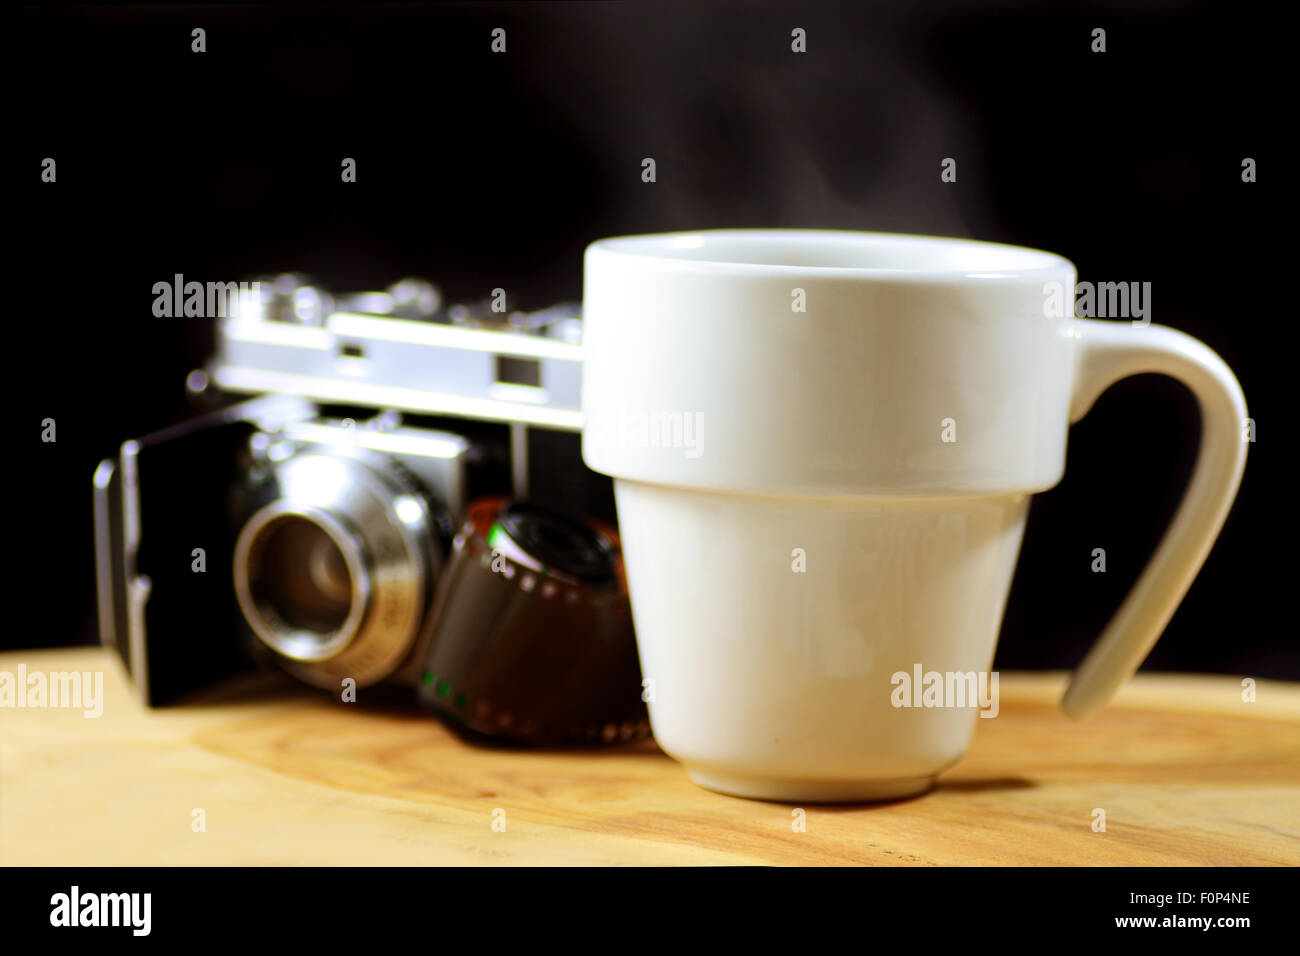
676,251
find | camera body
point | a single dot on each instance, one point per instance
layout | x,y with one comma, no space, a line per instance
315,516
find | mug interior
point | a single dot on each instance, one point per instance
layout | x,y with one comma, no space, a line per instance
868,253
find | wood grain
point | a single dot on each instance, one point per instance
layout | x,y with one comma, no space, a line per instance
1186,772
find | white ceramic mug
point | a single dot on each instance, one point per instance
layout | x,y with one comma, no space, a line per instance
823,446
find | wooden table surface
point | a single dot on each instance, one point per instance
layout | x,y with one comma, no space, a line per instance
1186,772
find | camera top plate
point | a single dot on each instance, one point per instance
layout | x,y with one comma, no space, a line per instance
378,350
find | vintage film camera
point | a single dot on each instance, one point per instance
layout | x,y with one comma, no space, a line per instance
366,517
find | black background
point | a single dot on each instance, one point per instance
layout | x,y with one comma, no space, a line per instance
482,170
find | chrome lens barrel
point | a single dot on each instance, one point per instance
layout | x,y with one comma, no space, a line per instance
334,573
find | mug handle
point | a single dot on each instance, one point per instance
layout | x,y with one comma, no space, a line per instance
1105,353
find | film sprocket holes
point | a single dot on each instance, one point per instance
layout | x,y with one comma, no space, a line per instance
311,526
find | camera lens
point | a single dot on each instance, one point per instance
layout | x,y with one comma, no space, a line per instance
301,581
334,572
304,579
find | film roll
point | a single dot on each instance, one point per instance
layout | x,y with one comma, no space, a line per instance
532,637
